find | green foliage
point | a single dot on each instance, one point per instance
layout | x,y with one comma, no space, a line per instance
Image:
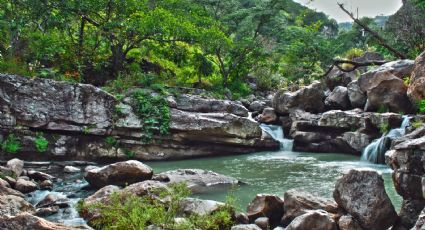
383,109
111,141
421,106
417,124
129,212
129,154
353,53
384,128
406,80
152,108
41,143
11,144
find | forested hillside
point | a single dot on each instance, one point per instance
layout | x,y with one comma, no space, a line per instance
210,44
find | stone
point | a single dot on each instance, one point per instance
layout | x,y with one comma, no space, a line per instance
356,96
90,167
48,211
145,188
13,205
420,223
298,203
257,106
26,221
361,193
245,227
39,176
4,183
241,218
347,222
191,206
264,205
46,185
416,90
338,78
25,186
9,191
313,220
10,180
121,173
268,116
338,99
309,99
16,165
101,196
263,223
71,169
198,180
53,200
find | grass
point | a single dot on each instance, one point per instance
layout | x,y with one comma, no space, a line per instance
12,144
41,143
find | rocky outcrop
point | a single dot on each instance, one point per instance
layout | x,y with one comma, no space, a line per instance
309,98
120,173
416,90
76,119
361,193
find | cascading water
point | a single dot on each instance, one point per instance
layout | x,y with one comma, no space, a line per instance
375,151
276,132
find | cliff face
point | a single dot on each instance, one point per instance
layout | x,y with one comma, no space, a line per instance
76,120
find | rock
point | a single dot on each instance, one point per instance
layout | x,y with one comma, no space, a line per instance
194,103
241,218
338,99
90,167
10,180
13,205
263,205
16,165
268,116
356,140
4,183
46,185
347,222
263,223
245,227
257,106
191,206
198,180
71,169
148,187
26,221
338,78
361,193
53,200
121,173
25,186
298,203
101,196
356,96
313,220
48,211
39,176
9,191
416,90
420,223
309,99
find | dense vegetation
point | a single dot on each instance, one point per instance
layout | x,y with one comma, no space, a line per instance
212,44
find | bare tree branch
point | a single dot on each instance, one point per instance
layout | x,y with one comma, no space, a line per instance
338,63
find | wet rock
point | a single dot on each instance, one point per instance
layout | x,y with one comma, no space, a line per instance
263,223
25,186
338,99
268,116
416,90
26,221
71,169
347,222
263,205
53,200
48,211
16,165
13,205
198,180
39,176
121,173
361,193
246,227
356,140
313,220
197,206
309,99
90,167
46,185
298,203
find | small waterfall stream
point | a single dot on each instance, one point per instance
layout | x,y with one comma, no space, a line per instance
375,151
276,132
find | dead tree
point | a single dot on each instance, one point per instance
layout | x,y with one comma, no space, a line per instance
355,65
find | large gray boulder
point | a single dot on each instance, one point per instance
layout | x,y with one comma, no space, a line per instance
356,96
120,173
192,206
313,220
16,165
13,205
361,192
309,98
416,90
338,99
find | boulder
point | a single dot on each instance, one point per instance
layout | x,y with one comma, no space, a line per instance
48,211
420,223
9,191
356,96
26,221
121,173
190,206
257,106
71,169
145,188
361,193
39,176
241,218
309,99
338,99
46,185
416,90
347,222
298,203
246,227
263,223
4,183
13,205
25,186
313,220
268,116
101,196
338,78
53,200
198,180
264,205
16,165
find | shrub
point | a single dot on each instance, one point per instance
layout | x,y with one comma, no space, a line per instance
384,128
111,141
383,109
129,153
417,124
41,143
421,105
353,53
11,144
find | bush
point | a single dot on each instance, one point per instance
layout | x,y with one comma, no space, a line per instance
417,124
11,144
41,143
111,141
384,128
421,106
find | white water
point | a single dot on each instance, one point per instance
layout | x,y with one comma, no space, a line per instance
375,151
276,132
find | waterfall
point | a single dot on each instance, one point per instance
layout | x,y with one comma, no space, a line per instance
375,151
276,132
